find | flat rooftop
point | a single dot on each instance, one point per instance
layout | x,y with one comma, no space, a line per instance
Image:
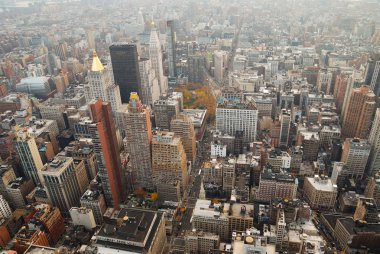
58,165
129,229
197,116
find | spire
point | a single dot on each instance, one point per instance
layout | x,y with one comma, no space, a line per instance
96,64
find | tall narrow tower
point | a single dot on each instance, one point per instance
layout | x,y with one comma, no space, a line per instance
170,38
155,55
138,134
101,129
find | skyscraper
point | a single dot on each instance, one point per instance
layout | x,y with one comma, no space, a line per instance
138,134
155,55
168,159
150,88
355,156
183,127
358,116
372,77
100,85
170,39
285,128
30,158
101,129
125,66
374,140
62,184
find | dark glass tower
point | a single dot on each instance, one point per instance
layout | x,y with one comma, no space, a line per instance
125,66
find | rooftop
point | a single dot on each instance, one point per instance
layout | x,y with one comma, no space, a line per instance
322,183
129,229
58,165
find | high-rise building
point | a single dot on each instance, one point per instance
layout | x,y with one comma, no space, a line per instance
164,111
232,117
125,66
5,210
29,155
100,85
285,120
183,127
138,135
355,156
220,64
168,159
62,184
374,140
340,87
101,129
150,88
155,56
171,48
358,117
196,68
372,77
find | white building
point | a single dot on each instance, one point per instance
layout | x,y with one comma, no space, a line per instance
149,82
220,63
100,85
82,216
232,117
155,55
218,150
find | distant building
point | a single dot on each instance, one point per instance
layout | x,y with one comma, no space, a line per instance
125,66
232,117
41,87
